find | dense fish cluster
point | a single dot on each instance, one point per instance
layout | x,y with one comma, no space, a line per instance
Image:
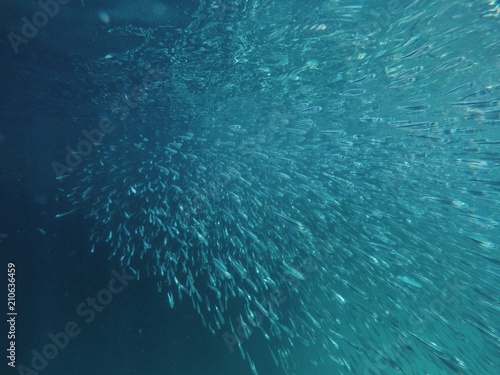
321,174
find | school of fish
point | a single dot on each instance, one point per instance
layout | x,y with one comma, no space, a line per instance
319,175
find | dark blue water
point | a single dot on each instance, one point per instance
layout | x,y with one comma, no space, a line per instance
318,180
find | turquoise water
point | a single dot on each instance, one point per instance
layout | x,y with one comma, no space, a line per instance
293,187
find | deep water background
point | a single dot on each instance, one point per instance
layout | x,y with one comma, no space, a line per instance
137,333
45,102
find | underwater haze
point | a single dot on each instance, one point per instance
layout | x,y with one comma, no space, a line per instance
252,187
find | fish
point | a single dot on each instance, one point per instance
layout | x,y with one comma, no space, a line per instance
449,64
462,87
364,79
417,52
330,196
294,223
353,92
403,82
410,72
